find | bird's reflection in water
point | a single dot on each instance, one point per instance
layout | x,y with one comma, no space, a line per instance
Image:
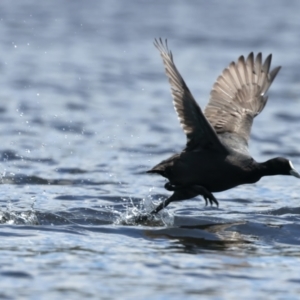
202,237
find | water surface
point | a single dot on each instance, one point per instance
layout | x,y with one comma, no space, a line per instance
85,110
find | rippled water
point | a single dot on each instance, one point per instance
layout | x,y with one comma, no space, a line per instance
85,110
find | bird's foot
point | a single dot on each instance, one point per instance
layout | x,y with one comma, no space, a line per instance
207,195
212,200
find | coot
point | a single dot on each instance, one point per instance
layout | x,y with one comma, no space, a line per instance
216,156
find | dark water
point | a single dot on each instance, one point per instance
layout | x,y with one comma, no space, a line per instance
85,110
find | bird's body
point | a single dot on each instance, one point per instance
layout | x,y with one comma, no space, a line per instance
191,168
216,156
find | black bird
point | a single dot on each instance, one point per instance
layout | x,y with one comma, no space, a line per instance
216,156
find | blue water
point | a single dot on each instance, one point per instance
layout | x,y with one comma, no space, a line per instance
86,109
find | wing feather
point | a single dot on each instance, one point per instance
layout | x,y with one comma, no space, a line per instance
199,132
239,94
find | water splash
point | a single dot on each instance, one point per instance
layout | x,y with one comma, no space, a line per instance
140,214
19,217
12,216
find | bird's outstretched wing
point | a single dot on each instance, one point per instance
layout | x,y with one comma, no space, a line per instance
238,95
198,130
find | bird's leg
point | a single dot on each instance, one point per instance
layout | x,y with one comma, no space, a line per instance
162,205
198,189
207,195
183,193
180,193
